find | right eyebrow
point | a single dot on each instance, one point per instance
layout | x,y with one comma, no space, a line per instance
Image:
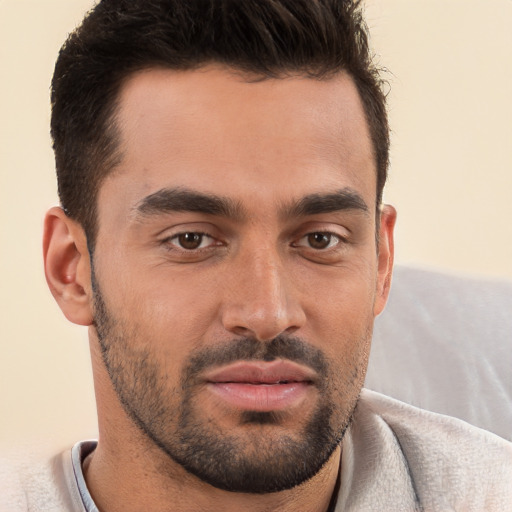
167,200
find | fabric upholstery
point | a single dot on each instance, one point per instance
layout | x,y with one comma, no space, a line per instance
444,343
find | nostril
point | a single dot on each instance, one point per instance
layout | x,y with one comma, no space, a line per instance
241,331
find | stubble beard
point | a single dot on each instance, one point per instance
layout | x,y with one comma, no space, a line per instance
254,458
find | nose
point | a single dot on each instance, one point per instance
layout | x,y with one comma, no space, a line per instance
262,301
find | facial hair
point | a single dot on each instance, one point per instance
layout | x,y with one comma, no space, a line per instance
259,456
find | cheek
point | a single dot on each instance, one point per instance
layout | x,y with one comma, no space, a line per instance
345,307
172,317
342,323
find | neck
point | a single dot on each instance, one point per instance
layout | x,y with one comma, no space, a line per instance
133,482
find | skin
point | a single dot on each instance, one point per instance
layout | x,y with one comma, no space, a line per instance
264,146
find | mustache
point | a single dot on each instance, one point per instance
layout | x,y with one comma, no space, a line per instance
250,349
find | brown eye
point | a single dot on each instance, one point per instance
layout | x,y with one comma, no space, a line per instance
190,241
319,240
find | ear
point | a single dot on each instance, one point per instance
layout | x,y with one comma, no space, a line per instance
385,257
67,266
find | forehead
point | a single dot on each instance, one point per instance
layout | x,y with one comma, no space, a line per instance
213,127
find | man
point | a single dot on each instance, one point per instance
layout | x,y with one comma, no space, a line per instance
220,168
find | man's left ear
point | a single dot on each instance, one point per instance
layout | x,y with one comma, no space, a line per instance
67,266
385,257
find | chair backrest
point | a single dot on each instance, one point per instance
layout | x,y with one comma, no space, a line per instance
444,343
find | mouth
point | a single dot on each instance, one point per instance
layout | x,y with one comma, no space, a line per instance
262,386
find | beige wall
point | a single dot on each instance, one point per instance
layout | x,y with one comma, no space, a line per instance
451,114
451,178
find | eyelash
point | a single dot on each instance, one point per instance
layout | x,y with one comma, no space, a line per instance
338,239
169,241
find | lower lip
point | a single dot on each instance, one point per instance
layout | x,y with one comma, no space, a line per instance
261,397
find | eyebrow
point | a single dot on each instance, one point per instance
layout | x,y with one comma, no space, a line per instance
313,204
168,200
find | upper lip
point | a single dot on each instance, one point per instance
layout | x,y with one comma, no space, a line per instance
261,372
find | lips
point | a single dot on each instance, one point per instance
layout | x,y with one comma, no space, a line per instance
261,386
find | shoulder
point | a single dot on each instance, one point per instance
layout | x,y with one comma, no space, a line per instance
30,480
451,464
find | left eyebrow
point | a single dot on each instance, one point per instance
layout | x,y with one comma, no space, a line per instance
313,204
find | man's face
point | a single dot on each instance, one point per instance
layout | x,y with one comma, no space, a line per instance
236,271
